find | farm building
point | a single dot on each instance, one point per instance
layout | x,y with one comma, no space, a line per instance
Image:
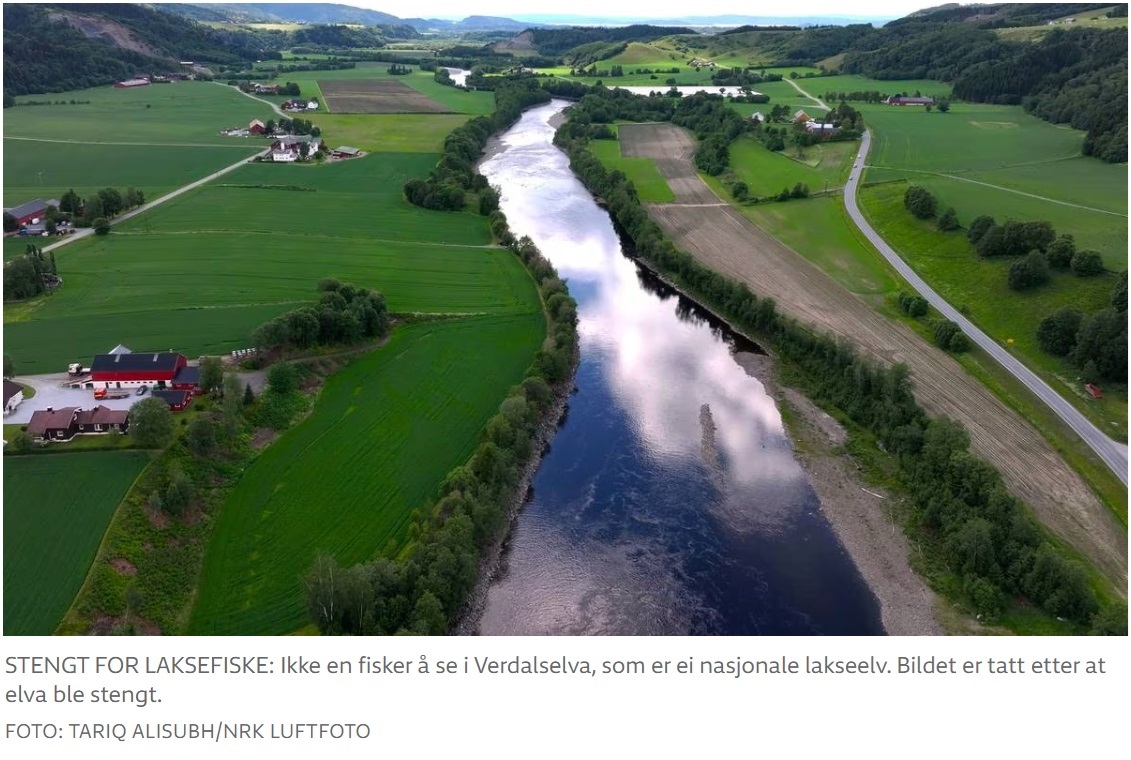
178,401
13,395
294,105
346,152
32,211
312,105
130,370
139,82
100,419
256,127
900,100
188,379
820,129
53,424
800,115
284,156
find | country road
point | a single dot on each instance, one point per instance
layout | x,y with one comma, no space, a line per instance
88,231
1113,454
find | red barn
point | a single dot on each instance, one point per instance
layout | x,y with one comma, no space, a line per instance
256,127
135,369
32,211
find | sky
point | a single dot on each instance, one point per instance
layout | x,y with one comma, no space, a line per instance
644,8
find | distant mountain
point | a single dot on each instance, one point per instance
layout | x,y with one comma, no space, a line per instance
330,13
557,19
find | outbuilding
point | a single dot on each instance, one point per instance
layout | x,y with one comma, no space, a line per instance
32,211
13,396
346,152
178,401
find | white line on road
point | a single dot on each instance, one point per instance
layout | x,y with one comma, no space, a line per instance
1113,453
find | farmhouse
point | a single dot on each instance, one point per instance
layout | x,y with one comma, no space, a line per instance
820,129
345,152
900,100
130,370
284,156
256,127
178,401
53,424
100,419
294,105
188,379
32,211
13,395
139,82
287,149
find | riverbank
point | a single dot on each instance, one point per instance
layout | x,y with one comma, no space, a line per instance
860,515
492,565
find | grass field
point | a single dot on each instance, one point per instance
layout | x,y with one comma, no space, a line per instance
47,170
395,132
384,433
185,112
650,185
56,509
949,264
196,275
854,83
766,172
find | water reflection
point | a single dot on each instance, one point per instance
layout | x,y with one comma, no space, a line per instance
671,502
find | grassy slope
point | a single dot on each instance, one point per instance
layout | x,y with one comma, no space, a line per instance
383,434
767,172
60,505
948,262
650,184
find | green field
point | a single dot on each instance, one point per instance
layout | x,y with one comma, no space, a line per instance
818,86
650,184
56,509
766,172
978,287
384,432
200,272
392,132
47,170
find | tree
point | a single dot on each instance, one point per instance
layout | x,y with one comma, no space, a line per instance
9,368
178,494
134,198
944,330
958,343
1029,272
991,243
11,223
151,423
949,220
112,201
920,202
978,228
1087,264
282,379
248,395
23,442
231,406
943,106
211,373
1119,293
1056,334
201,436
1061,251
70,203
101,226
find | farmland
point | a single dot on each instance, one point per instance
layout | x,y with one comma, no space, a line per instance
376,96
383,434
766,172
59,504
650,185
195,275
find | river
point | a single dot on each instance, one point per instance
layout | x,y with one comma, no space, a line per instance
670,501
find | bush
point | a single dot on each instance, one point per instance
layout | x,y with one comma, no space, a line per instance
1061,251
1031,271
959,343
948,222
101,226
913,305
1087,264
282,379
920,202
991,243
978,228
944,331
1056,334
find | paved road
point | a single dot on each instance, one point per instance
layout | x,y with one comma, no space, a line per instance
88,231
1113,453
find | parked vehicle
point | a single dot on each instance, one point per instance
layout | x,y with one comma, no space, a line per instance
141,391
102,393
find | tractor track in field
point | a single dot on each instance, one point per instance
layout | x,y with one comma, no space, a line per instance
720,237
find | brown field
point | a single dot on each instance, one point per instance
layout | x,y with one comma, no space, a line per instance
719,236
376,96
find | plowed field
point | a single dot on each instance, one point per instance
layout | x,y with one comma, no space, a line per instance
722,238
376,96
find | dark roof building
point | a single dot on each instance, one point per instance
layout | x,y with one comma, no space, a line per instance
27,213
10,391
102,419
178,400
187,379
53,424
135,367
900,100
346,152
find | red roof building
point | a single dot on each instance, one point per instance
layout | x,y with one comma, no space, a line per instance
178,401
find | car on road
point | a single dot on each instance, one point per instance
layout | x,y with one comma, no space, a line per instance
141,391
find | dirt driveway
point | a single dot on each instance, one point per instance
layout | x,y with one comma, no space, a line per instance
723,239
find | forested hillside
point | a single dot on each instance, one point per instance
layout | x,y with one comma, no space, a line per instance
558,41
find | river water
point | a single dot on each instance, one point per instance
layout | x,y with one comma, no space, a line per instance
669,501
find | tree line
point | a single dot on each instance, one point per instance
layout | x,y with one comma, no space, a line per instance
424,591
1095,343
29,274
962,513
344,314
